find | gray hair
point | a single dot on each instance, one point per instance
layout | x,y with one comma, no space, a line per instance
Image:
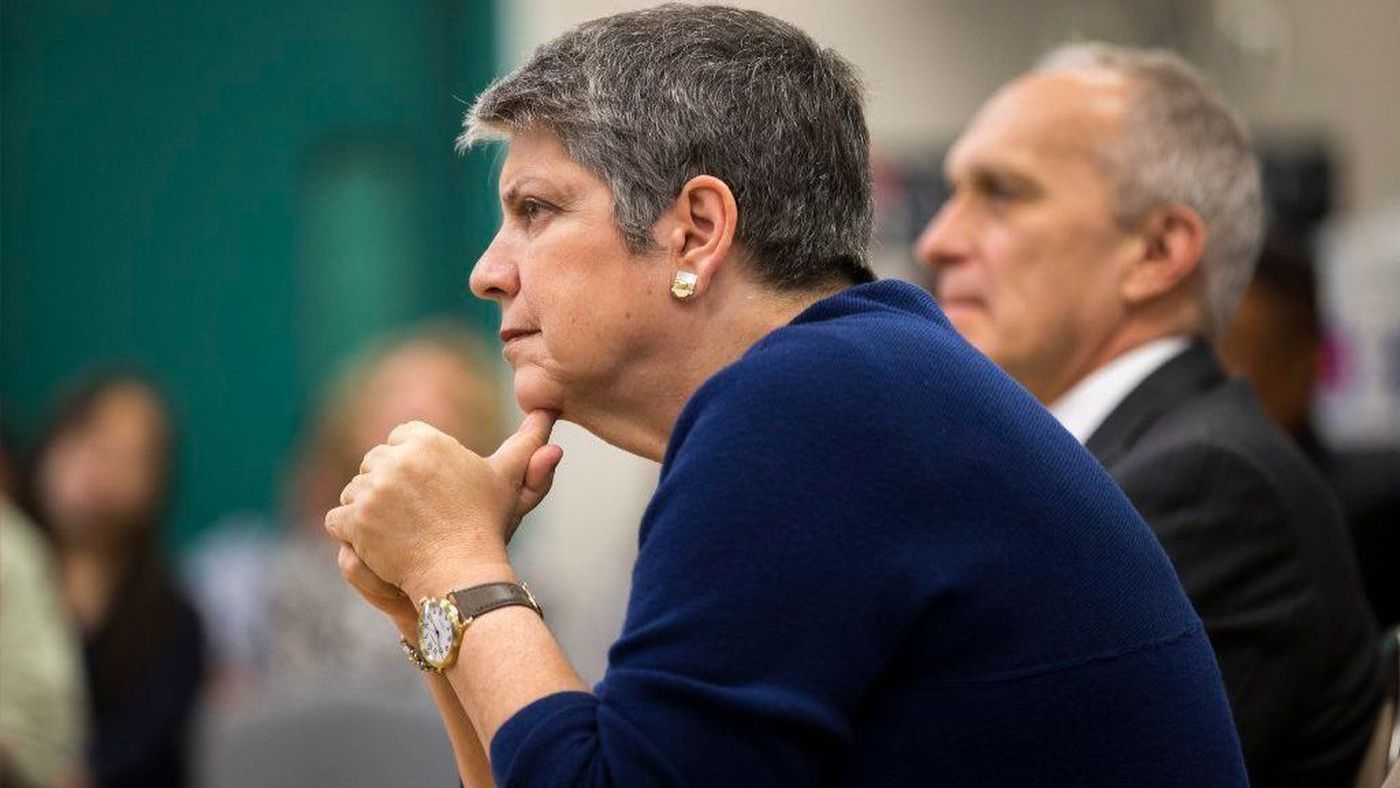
1181,144
648,100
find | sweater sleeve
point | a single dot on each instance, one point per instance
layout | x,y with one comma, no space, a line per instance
767,597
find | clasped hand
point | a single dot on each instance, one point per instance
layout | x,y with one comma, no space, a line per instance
425,511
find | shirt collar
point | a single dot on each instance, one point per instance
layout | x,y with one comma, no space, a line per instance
1083,408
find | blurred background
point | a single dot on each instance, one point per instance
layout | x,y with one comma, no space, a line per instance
234,247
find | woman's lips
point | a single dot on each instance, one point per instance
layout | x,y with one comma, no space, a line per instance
510,339
509,334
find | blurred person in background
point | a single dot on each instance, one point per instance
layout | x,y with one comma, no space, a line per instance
1276,341
1105,216
320,631
101,486
43,704
1275,338
871,558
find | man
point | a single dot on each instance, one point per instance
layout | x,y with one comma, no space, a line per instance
1104,218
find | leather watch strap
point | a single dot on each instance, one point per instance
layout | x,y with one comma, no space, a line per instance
482,599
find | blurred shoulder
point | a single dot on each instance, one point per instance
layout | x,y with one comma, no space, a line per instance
25,551
1217,454
1223,434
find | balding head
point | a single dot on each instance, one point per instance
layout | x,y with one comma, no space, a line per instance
1097,205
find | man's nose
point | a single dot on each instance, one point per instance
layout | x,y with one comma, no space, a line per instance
945,240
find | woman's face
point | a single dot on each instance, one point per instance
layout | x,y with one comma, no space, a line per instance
99,479
421,382
584,322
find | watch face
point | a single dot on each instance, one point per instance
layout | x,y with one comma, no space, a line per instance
435,632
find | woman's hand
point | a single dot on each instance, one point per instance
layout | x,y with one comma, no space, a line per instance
425,512
384,596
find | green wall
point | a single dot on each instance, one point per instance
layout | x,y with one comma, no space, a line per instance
232,196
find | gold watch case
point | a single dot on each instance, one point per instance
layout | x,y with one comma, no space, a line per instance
440,627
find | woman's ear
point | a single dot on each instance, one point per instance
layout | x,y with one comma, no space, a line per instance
1173,238
704,221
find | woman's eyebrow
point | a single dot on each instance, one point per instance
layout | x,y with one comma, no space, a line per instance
524,183
511,195
557,194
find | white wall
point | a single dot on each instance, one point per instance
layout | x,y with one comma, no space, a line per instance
1291,65
1305,67
927,65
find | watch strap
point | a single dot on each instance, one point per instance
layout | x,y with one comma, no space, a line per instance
416,657
482,599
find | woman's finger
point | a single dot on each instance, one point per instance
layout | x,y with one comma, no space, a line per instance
383,595
539,475
336,523
347,495
408,430
362,577
375,457
513,457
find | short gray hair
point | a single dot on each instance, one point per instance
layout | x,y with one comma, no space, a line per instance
648,100
1181,144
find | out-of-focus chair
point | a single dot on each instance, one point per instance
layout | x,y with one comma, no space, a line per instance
1381,764
345,741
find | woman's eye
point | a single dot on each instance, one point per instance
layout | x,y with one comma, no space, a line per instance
531,210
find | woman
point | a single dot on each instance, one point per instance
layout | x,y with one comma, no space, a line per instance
43,708
102,479
871,559
320,633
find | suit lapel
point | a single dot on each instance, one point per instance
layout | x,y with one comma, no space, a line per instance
1190,372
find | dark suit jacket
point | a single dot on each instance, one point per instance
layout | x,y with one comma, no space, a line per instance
1262,550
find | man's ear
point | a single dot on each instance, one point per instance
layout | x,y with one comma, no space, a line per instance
700,233
1172,240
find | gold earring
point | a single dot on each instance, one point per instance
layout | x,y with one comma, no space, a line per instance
683,285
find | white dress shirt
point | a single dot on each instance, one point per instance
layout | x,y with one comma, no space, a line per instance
1084,407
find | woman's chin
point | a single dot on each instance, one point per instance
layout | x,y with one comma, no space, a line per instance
534,391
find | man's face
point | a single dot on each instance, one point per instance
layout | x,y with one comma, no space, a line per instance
1027,252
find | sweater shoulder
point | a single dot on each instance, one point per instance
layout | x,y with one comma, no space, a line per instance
838,376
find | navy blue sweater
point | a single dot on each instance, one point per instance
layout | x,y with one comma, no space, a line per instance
873,559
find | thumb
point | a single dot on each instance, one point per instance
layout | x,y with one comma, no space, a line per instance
513,457
539,475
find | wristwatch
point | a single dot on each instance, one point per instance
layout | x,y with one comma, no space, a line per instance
442,620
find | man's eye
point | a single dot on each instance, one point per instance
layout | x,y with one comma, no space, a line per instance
997,191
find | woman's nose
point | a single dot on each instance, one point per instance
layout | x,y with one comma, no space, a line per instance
495,276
